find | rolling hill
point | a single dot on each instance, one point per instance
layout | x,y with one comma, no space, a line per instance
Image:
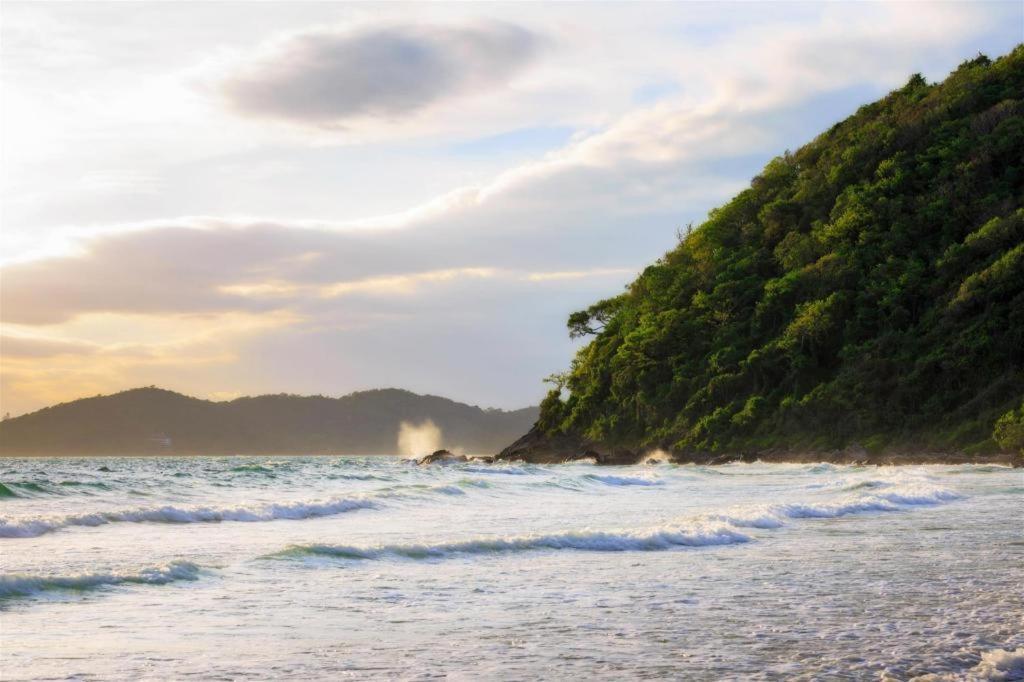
157,421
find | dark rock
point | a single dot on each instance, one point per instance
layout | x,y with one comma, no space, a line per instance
537,447
442,457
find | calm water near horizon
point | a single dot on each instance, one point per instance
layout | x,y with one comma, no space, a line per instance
371,567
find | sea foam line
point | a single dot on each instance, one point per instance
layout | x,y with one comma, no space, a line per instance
707,530
19,585
34,527
656,539
900,499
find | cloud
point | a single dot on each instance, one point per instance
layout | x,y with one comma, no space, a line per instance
105,352
326,78
34,347
467,294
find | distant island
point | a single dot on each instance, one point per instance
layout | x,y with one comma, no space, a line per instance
863,300
152,421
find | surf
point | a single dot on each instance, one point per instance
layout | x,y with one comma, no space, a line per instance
18,585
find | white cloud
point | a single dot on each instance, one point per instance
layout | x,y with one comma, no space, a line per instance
465,293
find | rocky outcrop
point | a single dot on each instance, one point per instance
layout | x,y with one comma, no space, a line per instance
537,447
441,457
447,457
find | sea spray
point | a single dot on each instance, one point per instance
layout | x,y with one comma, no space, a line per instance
416,440
657,456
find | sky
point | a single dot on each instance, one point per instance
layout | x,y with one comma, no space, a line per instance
229,199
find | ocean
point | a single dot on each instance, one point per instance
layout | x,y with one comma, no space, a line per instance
309,568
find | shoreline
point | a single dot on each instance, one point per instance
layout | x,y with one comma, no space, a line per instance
617,458
539,448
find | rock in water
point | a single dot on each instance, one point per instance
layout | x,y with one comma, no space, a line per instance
442,457
537,447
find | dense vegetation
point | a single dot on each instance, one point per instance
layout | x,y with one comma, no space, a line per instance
152,420
867,288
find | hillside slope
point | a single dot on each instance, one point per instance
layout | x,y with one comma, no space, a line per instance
152,420
866,289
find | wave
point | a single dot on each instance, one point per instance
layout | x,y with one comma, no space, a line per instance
622,480
775,515
847,485
418,490
359,477
14,586
877,502
36,526
767,519
445,489
502,469
14,489
658,539
25,489
717,529
252,469
29,528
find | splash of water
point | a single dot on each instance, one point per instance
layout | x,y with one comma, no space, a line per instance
657,456
416,440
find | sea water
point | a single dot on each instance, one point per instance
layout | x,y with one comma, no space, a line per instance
373,567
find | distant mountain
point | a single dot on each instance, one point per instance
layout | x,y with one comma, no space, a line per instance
155,421
866,291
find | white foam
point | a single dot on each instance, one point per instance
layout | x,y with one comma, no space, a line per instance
656,539
999,664
12,586
750,519
900,498
34,527
657,456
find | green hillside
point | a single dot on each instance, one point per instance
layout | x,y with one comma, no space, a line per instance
867,288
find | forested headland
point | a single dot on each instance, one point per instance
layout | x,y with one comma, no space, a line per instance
866,291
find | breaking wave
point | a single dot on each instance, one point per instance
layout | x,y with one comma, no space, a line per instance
657,539
14,586
34,527
896,500
900,499
713,529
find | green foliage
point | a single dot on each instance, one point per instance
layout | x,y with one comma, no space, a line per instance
868,287
1009,430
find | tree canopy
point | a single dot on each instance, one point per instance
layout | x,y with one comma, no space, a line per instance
868,288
